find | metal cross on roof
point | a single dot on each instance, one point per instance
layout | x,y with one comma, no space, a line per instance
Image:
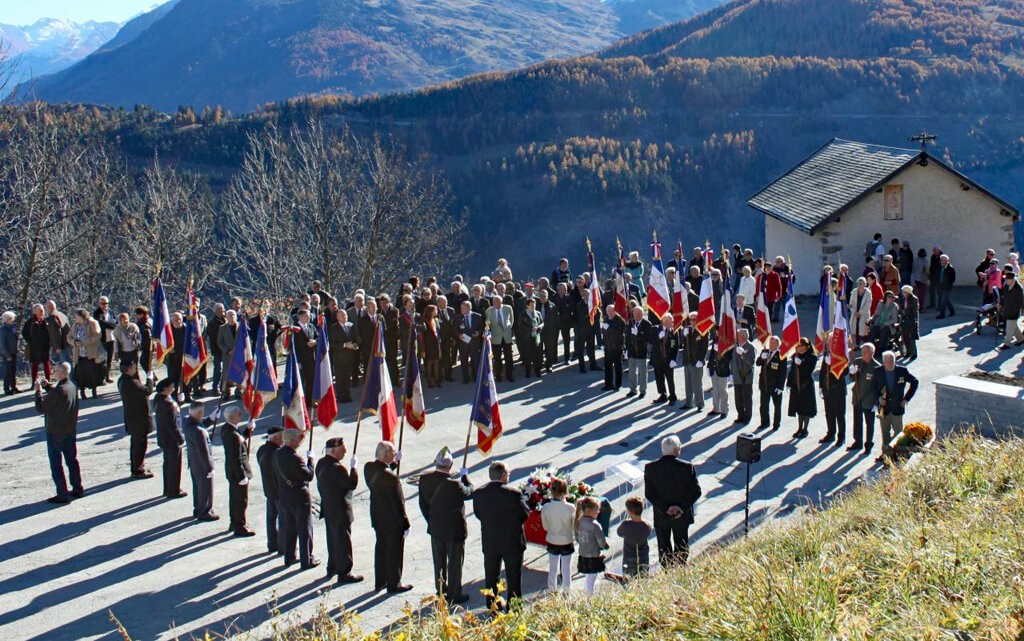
923,138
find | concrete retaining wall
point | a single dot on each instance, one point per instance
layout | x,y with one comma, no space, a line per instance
993,409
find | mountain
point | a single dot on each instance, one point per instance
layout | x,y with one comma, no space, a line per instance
243,53
641,138
134,27
49,44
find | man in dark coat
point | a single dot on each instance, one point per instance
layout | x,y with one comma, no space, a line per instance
235,438
549,330
138,422
343,339
294,475
614,329
59,407
446,319
145,338
470,335
443,504
303,341
565,307
584,332
638,343
265,457
336,485
366,325
833,395
388,519
895,386
217,321
108,322
664,351
169,437
671,485
865,397
173,360
694,346
1011,302
743,376
389,314
771,381
502,512
200,461
945,280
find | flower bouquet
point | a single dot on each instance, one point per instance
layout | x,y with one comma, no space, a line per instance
915,437
536,490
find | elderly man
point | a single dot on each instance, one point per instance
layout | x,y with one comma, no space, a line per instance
502,512
501,321
138,422
833,394
235,437
695,350
218,320
387,518
442,503
226,346
1011,302
945,280
865,398
294,474
336,485
895,386
743,376
638,337
169,437
59,407
771,382
671,485
664,352
200,461
59,330
343,341
470,328
446,320
614,341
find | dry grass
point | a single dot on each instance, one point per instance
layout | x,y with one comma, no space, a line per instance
930,552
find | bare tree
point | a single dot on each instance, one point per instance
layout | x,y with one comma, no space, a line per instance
355,213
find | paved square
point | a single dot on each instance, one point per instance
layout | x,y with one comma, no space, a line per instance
123,550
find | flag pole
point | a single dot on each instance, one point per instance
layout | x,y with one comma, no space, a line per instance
476,394
362,401
401,420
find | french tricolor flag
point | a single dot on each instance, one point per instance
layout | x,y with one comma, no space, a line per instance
162,334
824,324
657,285
790,326
293,399
262,380
485,414
378,395
323,381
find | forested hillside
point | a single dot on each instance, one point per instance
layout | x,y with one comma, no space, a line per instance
617,146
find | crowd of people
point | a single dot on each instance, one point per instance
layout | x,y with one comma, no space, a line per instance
444,330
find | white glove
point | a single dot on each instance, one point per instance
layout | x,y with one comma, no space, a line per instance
464,471
353,462
398,456
465,339
151,375
672,364
309,453
699,364
604,326
215,414
252,425
874,410
181,397
828,359
686,331
798,360
633,331
244,482
661,334
764,353
853,369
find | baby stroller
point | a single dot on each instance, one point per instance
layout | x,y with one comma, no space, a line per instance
989,314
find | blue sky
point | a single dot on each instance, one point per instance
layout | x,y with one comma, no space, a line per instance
24,12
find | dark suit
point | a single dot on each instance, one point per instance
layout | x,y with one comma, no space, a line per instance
565,306
833,394
391,340
672,482
344,360
664,350
200,465
549,333
365,326
443,504
865,398
771,381
389,522
614,344
336,484
449,349
502,512
306,356
170,438
471,327
893,392
293,477
237,471
265,458
137,420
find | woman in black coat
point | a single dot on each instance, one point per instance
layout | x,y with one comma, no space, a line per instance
803,402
